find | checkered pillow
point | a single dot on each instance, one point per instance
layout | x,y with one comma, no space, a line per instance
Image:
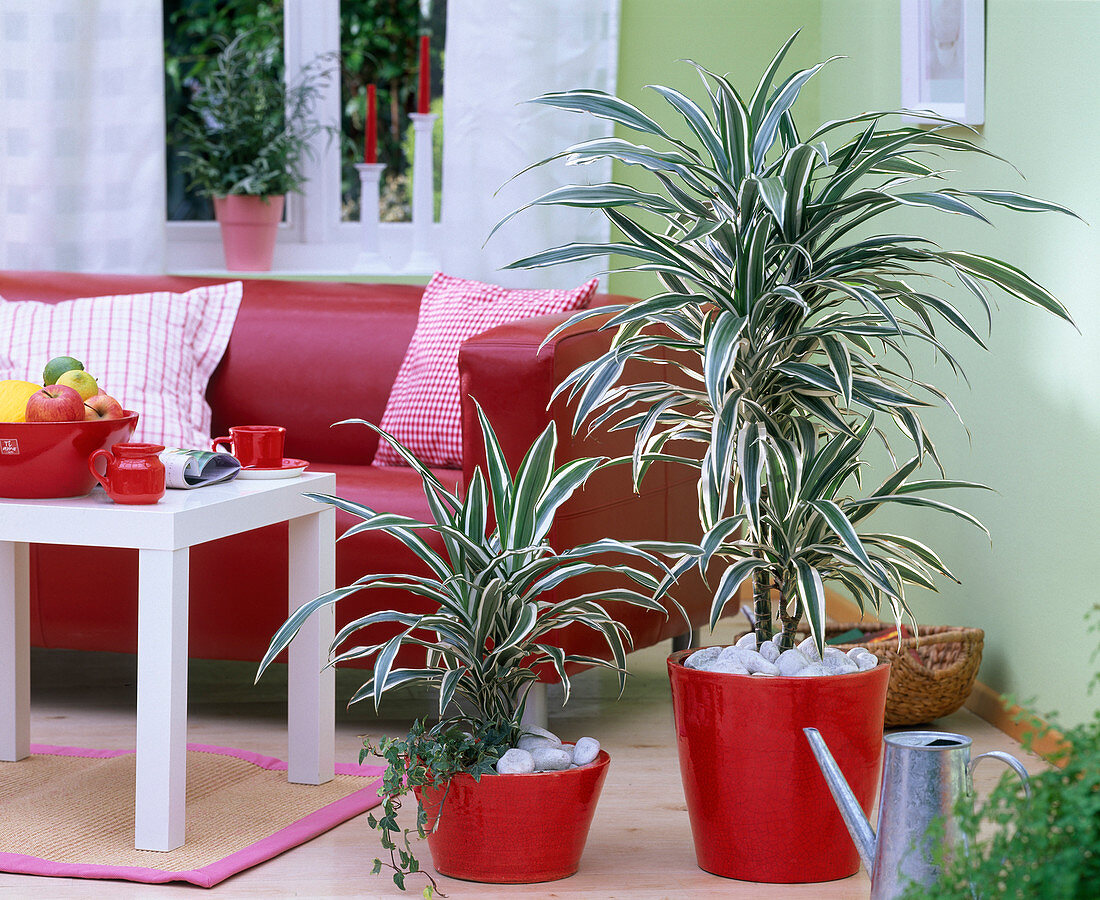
154,353
423,408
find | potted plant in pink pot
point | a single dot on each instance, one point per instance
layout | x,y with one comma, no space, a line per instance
792,322
488,813
245,141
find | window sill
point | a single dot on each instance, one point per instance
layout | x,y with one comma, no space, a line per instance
195,249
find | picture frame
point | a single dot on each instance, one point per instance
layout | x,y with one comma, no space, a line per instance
943,58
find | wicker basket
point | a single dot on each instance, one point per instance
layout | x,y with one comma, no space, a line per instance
930,676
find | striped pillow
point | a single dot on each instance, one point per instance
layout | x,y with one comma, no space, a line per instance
154,353
423,411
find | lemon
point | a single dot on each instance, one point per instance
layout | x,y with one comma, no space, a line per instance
13,399
58,366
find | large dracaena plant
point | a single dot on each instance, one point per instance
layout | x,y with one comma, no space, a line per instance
492,625
781,303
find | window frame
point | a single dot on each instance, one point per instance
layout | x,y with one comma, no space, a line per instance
313,239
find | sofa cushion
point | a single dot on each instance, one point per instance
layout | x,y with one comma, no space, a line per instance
423,410
152,352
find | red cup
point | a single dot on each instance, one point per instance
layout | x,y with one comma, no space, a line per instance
133,474
255,446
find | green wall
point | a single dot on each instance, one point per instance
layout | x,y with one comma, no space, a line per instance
1032,411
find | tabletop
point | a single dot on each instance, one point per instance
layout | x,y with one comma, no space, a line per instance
180,519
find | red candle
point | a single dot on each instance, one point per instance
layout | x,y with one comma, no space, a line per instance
370,139
424,95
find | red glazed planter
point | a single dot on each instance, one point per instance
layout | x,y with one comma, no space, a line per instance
759,807
514,829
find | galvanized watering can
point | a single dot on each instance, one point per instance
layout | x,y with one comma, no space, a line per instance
924,773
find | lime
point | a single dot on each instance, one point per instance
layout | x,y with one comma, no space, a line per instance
58,366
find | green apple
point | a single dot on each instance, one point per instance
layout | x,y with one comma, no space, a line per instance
58,366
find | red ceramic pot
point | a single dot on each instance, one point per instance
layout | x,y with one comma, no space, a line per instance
42,460
759,807
513,829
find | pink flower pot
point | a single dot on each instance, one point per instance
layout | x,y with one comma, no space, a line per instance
249,226
513,829
759,806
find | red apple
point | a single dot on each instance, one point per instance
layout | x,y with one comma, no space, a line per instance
102,406
55,403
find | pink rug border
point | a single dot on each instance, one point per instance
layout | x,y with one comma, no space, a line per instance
299,832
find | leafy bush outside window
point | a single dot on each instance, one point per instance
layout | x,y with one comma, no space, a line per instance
378,45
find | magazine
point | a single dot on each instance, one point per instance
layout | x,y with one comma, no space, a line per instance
188,469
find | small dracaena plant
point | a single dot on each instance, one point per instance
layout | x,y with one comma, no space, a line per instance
782,308
497,590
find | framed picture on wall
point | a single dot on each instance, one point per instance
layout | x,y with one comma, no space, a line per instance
943,58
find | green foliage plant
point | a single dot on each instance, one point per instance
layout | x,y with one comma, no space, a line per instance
491,627
1045,848
249,130
790,321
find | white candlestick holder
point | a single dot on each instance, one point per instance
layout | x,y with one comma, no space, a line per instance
370,178
423,256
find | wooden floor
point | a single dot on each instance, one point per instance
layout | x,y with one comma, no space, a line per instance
640,845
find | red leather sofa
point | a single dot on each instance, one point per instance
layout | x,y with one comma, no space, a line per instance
306,355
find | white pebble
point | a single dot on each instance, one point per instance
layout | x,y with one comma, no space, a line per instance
809,650
515,762
769,650
754,662
533,742
552,759
812,670
585,751
700,658
747,641
731,653
858,651
540,732
791,662
865,661
728,667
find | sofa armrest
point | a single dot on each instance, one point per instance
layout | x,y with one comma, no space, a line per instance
507,373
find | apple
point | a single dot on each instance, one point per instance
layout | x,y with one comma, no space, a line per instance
55,403
102,406
80,381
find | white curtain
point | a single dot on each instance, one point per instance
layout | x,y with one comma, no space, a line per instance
499,54
82,151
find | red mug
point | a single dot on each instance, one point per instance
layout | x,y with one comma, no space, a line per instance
133,473
255,446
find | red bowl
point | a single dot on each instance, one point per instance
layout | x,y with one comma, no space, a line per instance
45,460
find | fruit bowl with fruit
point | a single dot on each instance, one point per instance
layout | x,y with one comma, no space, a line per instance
48,431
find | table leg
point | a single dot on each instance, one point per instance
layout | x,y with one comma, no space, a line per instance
15,651
311,701
162,699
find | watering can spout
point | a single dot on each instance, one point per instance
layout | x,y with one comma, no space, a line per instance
862,834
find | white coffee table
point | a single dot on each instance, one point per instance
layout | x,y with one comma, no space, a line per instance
163,533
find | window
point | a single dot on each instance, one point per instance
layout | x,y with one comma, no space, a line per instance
378,43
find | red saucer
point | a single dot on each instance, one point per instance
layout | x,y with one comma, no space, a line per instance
290,468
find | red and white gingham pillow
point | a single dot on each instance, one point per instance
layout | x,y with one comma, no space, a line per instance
154,353
423,410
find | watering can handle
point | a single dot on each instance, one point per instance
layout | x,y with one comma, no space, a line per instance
1009,760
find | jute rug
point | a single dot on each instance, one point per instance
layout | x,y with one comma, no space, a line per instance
70,812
